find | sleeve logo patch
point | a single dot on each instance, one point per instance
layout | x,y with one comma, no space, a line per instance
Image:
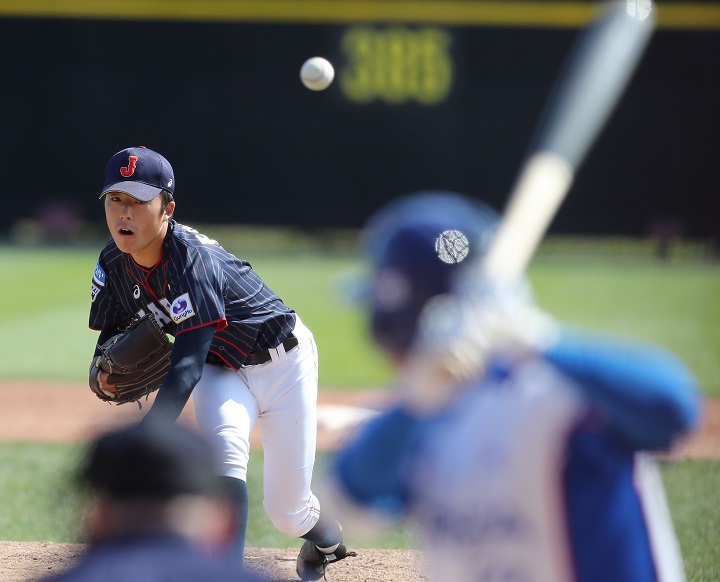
99,275
94,292
181,309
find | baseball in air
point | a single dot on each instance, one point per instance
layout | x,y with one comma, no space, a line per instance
317,73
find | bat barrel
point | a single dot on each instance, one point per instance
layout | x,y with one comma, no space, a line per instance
587,90
592,81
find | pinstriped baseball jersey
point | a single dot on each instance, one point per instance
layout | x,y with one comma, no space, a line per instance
195,283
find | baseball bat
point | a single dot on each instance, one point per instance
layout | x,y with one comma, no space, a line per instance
589,86
450,345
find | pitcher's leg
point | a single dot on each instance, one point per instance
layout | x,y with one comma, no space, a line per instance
237,491
226,411
288,429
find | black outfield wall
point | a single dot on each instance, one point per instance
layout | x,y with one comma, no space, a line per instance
415,105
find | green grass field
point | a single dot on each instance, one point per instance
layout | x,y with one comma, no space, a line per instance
46,296
44,335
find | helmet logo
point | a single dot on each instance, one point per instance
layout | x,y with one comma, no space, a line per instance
452,246
129,170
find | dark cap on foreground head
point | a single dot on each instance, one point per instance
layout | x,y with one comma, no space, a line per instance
416,246
150,461
139,172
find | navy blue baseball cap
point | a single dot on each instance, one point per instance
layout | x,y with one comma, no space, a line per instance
139,172
416,246
150,461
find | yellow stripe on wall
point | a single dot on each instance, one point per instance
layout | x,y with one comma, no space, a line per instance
443,12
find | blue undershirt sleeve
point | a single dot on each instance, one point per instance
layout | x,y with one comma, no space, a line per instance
644,392
186,365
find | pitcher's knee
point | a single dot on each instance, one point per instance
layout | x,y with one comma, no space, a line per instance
294,524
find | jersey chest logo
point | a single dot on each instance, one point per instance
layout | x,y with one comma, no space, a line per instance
182,308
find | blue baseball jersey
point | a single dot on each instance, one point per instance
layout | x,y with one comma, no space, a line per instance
537,472
196,283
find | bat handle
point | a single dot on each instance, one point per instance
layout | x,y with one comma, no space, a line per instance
539,190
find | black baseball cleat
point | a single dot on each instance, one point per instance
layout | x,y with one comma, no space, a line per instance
311,562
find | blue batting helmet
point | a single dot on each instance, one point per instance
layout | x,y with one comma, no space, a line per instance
416,245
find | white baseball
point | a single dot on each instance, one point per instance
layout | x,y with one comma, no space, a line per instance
317,73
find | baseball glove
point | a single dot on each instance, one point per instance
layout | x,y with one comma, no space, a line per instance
137,360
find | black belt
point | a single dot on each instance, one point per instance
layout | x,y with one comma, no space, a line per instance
263,356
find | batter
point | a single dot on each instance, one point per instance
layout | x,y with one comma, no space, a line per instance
536,469
245,356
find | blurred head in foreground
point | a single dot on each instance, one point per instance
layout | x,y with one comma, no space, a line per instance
151,480
416,246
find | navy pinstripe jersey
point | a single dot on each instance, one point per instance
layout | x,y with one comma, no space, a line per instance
195,283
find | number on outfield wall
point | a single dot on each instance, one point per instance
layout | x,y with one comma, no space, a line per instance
396,65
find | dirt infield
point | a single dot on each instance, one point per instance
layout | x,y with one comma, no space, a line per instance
52,412
69,413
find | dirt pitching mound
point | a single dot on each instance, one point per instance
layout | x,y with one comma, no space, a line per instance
33,561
